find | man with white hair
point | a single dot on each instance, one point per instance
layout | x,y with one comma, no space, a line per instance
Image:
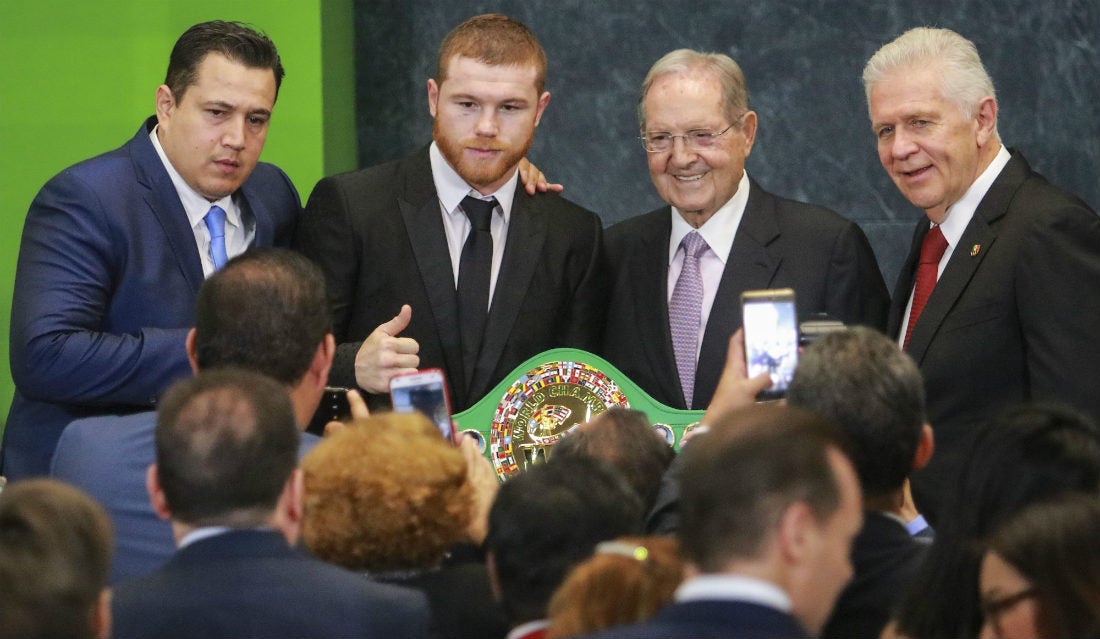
998,299
678,272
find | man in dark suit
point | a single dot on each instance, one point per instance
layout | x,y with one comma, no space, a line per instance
998,299
698,131
265,297
770,506
411,276
546,521
226,476
114,249
861,381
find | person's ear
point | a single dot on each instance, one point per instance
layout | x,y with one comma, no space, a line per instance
192,353
986,118
925,448
101,615
156,495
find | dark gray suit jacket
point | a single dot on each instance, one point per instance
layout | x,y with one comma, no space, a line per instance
1013,317
780,243
250,583
378,236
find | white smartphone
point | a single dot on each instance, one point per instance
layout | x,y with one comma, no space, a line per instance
770,320
424,391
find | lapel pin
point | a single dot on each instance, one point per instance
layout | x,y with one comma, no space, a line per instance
974,250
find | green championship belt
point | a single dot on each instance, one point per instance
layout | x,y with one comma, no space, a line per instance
551,394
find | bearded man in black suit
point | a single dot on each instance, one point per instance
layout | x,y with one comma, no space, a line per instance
396,241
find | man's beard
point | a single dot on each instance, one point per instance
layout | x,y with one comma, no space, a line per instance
484,172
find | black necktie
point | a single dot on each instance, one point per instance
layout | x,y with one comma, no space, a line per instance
474,268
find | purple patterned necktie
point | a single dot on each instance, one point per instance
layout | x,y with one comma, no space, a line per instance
685,312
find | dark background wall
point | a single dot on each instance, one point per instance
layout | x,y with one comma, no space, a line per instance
803,61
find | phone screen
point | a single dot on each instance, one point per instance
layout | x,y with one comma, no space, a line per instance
426,393
771,337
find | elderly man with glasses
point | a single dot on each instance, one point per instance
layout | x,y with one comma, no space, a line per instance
679,271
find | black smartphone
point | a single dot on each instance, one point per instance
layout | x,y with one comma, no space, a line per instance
424,391
770,320
333,407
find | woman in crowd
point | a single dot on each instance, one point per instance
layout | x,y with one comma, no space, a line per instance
1040,576
625,581
389,497
1028,454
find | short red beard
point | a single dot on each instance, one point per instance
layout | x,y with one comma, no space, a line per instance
479,174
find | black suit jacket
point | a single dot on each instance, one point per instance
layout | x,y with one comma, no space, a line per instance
718,619
1013,317
780,243
252,584
378,235
461,599
885,558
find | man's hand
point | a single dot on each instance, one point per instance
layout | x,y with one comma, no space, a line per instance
735,388
533,179
359,411
384,354
483,479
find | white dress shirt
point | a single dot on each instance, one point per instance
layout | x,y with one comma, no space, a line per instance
956,219
718,232
239,233
451,188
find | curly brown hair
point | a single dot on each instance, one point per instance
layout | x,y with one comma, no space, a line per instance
387,493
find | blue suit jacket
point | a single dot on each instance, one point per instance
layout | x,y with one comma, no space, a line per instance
711,618
104,292
250,583
107,457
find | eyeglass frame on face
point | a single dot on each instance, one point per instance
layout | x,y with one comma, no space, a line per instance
694,139
994,609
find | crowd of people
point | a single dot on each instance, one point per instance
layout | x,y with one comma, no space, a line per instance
934,470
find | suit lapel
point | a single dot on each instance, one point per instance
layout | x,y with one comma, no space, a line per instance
750,266
976,242
251,203
651,285
522,255
165,205
420,212
967,256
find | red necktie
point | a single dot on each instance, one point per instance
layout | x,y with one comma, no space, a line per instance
931,251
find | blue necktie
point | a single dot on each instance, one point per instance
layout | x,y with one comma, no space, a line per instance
215,223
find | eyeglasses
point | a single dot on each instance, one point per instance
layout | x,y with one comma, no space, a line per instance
695,139
994,609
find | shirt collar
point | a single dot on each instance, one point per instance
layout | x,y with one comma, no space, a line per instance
960,213
734,587
194,204
451,188
527,628
719,230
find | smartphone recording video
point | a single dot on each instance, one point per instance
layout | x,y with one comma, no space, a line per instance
770,321
424,392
